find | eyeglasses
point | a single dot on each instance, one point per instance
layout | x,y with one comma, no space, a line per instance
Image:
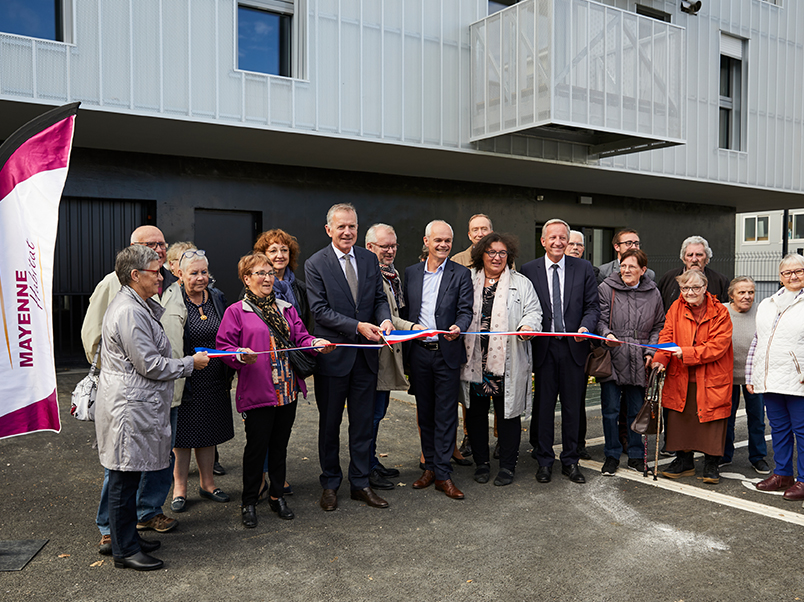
263,273
693,289
153,245
386,247
491,253
788,273
629,243
193,253
152,271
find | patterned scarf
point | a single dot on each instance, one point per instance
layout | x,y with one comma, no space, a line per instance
272,315
473,369
389,273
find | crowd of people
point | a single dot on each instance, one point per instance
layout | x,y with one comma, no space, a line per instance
158,400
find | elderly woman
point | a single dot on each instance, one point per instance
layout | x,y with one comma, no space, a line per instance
205,415
267,386
174,253
697,391
631,310
498,368
132,419
774,368
282,250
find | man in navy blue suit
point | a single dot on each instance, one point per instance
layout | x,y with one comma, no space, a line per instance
567,291
344,287
438,295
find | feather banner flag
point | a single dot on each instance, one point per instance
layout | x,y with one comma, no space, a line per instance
33,168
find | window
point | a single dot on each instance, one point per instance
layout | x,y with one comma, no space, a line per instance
270,37
797,226
731,93
647,11
44,19
755,228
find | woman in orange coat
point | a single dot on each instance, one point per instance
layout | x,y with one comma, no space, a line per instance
697,390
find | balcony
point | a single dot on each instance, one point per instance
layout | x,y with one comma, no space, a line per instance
578,71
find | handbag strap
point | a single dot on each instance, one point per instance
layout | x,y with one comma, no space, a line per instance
95,359
277,335
655,380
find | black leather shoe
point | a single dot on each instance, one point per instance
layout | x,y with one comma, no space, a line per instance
573,471
216,496
149,545
584,454
388,473
368,496
377,481
280,506
461,461
217,469
139,562
249,516
544,474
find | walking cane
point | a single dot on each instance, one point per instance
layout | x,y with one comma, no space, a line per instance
660,378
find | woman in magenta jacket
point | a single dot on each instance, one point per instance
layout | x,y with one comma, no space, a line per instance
267,386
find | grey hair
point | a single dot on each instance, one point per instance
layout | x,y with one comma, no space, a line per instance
550,222
476,215
340,207
733,284
184,259
688,275
135,257
696,240
583,240
792,258
371,233
429,227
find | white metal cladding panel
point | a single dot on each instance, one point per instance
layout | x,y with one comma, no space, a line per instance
176,57
147,59
17,68
393,68
84,76
51,70
204,53
116,49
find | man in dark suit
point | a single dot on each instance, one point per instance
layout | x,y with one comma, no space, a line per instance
438,294
344,287
567,291
695,253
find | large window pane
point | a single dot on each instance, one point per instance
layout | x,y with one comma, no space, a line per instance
762,228
798,226
263,41
33,18
750,230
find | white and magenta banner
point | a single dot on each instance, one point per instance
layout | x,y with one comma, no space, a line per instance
33,169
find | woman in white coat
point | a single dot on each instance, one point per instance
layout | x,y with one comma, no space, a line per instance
498,368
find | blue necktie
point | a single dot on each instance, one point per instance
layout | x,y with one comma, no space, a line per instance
558,312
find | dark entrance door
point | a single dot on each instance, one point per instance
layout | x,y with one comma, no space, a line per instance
226,236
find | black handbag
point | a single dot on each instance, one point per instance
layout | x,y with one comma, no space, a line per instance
647,419
303,363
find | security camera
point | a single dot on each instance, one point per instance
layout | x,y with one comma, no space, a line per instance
691,7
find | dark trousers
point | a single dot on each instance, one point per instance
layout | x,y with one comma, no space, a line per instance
437,404
582,416
123,487
755,413
331,392
267,431
509,432
558,375
381,401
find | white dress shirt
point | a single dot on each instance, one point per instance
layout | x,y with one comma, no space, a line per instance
562,270
430,285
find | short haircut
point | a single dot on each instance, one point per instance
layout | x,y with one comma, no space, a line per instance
276,235
638,254
687,276
696,240
429,227
135,257
550,222
510,241
340,207
176,250
618,237
248,263
371,233
733,284
579,233
469,223
792,259
185,259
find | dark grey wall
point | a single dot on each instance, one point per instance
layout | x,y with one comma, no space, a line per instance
296,199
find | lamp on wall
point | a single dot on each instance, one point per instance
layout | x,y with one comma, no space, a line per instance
691,7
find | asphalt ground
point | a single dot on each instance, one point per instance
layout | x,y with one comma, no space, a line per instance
614,538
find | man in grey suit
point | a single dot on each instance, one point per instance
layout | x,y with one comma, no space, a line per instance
624,239
347,300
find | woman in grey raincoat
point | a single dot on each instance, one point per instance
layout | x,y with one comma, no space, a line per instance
132,417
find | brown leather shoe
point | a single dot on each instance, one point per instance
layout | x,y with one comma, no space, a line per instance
795,493
367,495
329,500
427,478
449,489
776,482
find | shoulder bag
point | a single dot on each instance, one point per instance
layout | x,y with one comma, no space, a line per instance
82,405
303,363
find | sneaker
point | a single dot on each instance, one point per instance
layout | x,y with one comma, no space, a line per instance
105,546
710,471
610,467
638,464
724,462
159,523
680,468
761,467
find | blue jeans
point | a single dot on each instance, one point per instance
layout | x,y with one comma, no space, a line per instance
755,412
610,393
381,401
152,492
786,419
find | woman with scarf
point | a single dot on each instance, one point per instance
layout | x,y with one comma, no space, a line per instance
267,386
498,368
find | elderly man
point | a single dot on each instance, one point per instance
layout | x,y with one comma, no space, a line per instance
567,292
154,486
743,314
695,253
479,226
624,240
344,287
438,295
381,240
